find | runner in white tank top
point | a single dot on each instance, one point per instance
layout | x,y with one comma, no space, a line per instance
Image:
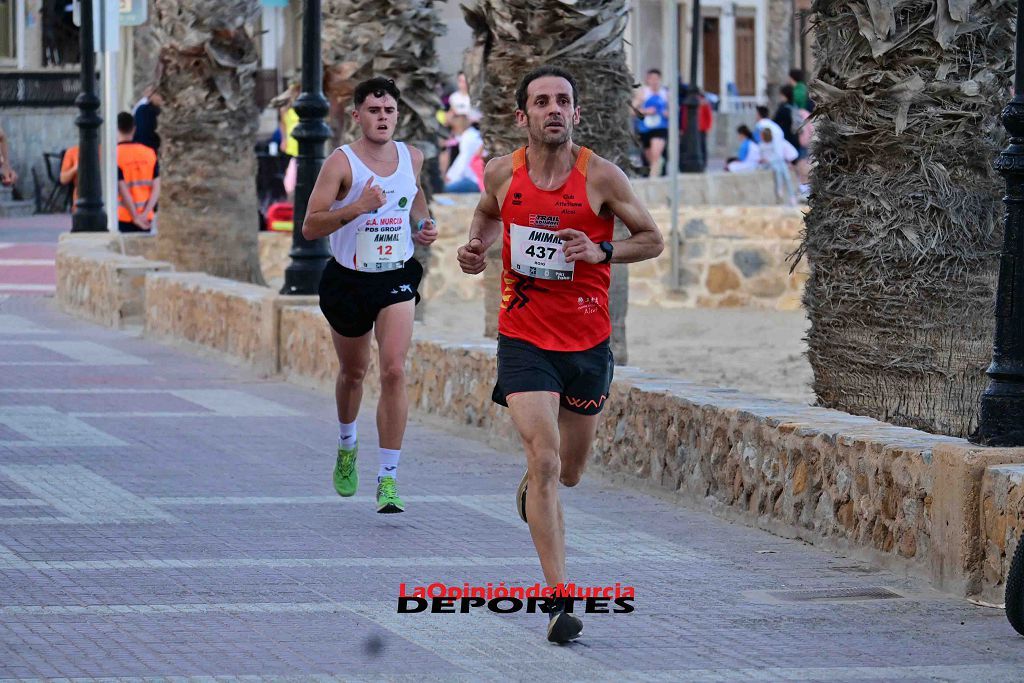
381,240
368,202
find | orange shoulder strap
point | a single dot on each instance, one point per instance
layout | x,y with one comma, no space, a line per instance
518,159
583,160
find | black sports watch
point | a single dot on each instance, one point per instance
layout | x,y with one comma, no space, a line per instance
607,248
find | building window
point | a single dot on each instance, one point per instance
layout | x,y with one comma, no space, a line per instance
8,29
60,35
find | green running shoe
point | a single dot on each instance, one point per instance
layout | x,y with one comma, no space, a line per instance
387,496
346,479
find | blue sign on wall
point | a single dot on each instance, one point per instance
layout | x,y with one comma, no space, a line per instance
133,12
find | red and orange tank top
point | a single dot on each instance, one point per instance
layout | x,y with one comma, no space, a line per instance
544,301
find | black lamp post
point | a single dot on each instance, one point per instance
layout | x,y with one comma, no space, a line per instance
302,276
692,161
89,215
1001,422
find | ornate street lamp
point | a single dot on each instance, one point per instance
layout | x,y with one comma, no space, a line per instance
1001,422
89,215
692,158
308,257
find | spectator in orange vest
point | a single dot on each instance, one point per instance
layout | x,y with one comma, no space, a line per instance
138,179
7,175
69,172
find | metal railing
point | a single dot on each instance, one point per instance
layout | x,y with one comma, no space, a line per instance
739,104
39,89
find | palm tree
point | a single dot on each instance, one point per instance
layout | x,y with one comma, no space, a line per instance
585,37
903,234
208,208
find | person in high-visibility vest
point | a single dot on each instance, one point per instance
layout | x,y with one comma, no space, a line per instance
138,179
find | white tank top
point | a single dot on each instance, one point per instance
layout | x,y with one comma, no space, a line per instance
380,240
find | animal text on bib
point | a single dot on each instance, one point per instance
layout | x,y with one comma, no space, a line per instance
380,243
538,253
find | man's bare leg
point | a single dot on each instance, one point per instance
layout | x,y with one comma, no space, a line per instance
394,336
535,414
576,435
354,356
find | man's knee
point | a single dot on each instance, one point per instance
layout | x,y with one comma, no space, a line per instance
392,374
352,376
570,477
545,469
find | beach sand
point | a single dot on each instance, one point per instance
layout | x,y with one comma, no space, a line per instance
760,352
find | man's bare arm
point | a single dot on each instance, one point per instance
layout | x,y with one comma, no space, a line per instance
645,240
486,226
419,211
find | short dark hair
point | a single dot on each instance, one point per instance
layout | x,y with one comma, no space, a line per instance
796,74
787,92
378,87
763,111
654,71
125,122
745,132
541,72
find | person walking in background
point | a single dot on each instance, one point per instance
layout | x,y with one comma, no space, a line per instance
460,176
748,157
138,179
146,115
801,100
651,105
774,158
705,121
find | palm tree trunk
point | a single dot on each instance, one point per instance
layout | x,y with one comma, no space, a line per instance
208,208
513,36
903,234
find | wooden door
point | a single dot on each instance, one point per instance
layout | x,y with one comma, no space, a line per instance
712,52
746,78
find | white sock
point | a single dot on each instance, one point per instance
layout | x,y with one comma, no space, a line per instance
347,434
388,463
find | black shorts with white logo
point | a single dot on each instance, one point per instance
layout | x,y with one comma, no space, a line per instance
351,299
580,378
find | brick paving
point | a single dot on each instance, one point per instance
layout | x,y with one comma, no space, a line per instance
164,516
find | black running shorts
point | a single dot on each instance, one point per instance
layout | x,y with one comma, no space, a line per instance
580,378
351,299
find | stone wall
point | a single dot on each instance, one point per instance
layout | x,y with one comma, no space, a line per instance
730,256
101,285
1002,524
932,504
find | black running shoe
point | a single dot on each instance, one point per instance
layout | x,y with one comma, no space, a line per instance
521,497
564,626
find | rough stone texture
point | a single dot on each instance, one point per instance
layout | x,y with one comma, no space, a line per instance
751,243
94,283
715,188
811,473
1002,523
234,318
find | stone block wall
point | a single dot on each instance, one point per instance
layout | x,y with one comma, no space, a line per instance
1002,524
730,256
932,504
100,285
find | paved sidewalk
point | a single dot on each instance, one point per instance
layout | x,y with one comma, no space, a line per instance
164,515
27,249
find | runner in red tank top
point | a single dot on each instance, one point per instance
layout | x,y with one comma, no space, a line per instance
554,204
